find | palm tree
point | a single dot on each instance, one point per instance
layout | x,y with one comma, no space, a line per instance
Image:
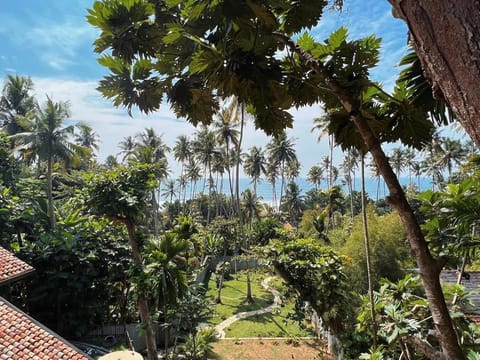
127,146
322,124
182,149
48,141
327,168
348,167
205,149
398,160
226,134
431,168
315,176
219,165
149,139
16,104
452,152
167,267
292,170
87,138
194,174
251,206
335,199
149,148
374,171
430,164
416,170
292,202
367,249
255,165
183,153
170,190
281,152
409,158
271,176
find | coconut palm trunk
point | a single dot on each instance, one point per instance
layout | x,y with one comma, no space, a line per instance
367,251
142,301
237,195
51,210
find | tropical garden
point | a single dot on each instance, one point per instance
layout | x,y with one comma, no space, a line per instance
126,240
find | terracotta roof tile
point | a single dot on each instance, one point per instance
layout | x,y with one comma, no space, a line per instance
11,267
22,338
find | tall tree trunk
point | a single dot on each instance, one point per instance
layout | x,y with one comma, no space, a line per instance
429,267
142,301
274,195
166,332
237,193
331,143
230,182
210,185
51,212
219,290
282,185
350,190
367,252
155,214
446,38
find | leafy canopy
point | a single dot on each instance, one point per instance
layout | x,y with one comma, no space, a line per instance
194,54
122,193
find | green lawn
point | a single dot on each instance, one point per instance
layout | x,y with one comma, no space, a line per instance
234,296
273,324
234,301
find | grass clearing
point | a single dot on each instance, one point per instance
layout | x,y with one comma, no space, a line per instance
234,296
275,324
269,350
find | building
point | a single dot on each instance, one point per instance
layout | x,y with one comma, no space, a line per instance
21,337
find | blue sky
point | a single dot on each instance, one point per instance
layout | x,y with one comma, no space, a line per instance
51,42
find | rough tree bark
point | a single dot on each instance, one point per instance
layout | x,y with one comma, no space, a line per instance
446,37
429,267
142,301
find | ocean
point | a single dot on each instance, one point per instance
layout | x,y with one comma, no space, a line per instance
372,187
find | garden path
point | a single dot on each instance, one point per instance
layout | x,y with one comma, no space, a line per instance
220,328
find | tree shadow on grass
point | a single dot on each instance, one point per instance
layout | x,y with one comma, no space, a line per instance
240,301
278,329
272,325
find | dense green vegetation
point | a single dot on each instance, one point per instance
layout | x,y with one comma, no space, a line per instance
125,241
110,243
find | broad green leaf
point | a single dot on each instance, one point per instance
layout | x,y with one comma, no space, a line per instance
142,69
337,37
175,32
306,41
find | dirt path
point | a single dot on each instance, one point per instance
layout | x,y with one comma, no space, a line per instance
220,328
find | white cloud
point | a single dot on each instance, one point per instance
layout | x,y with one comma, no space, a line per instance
113,125
56,61
56,40
65,37
60,43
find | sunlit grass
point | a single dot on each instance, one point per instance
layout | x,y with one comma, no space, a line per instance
234,300
234,296
275,324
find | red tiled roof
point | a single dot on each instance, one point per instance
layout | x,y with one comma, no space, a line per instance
22,338
12,267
